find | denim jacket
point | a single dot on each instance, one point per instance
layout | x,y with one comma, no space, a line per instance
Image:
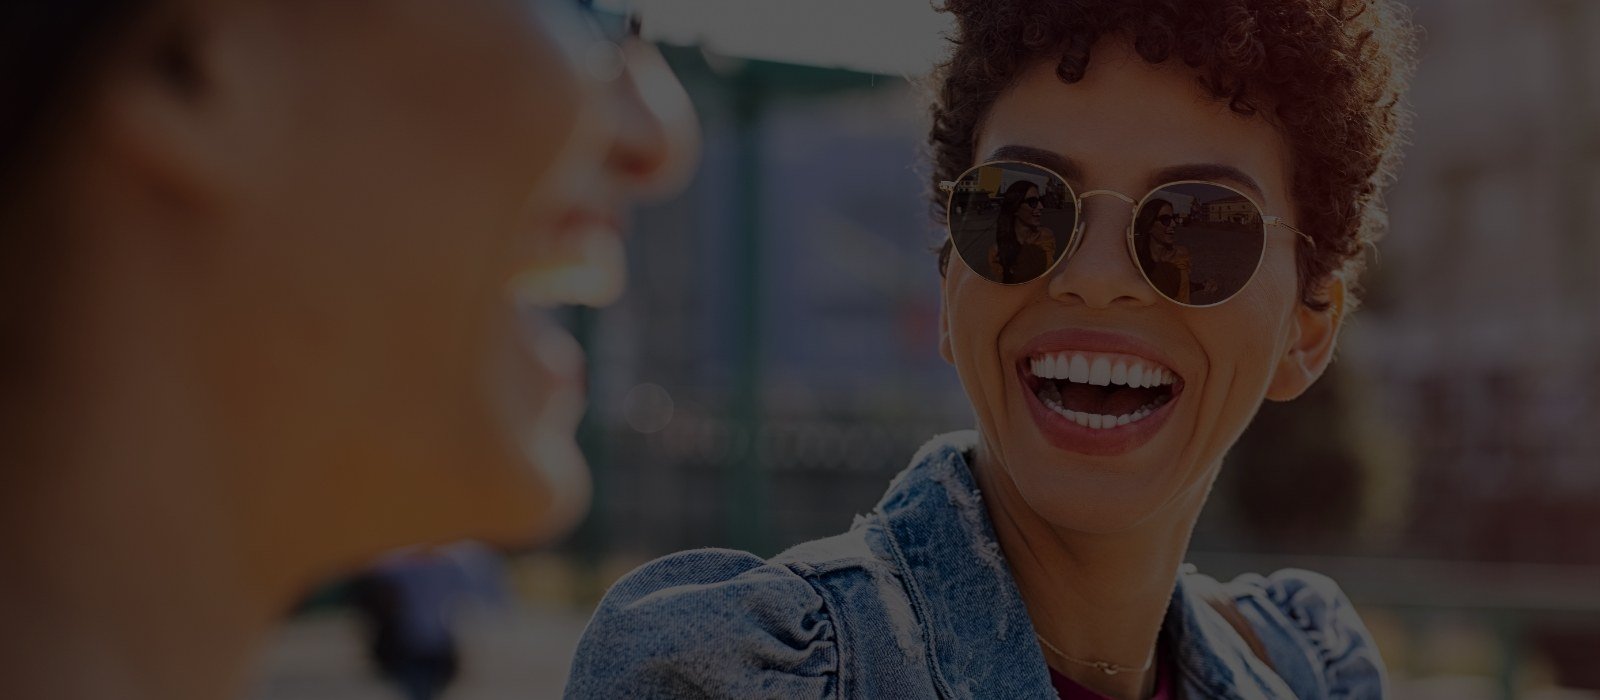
916,601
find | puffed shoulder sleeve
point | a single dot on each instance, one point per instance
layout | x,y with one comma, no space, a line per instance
1333,638
708,624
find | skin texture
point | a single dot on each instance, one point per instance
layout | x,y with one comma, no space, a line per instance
1095,541
283,338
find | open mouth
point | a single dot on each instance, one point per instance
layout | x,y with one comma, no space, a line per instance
1100,391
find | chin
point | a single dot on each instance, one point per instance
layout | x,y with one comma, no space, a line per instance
530,485
1090,498
558,487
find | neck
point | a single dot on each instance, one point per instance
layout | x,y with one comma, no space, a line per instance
93,612
125,573
1094,597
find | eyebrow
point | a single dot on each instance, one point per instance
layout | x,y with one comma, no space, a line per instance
1072,171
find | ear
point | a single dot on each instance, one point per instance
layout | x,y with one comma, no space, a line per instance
945,350
1311,345
156,119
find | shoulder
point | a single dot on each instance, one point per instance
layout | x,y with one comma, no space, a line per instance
708,623
1310,609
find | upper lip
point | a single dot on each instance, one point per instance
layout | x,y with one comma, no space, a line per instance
1084,340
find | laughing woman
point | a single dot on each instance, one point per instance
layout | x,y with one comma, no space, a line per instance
1042,553
271,274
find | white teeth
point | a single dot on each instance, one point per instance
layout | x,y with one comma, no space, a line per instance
1104,422
1078,371
1100,372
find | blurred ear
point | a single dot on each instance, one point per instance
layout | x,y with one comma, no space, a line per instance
1311,346
156,117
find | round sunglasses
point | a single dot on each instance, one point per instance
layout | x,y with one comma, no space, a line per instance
1197,243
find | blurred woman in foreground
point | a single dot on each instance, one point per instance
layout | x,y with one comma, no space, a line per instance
262,260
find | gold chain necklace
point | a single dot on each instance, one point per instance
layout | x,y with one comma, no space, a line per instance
1105,667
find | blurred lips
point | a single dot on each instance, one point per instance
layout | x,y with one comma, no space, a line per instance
1100,373
578,260
579,220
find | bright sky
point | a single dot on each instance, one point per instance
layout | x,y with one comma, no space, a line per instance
890,37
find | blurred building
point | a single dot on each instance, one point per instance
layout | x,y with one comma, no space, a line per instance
1482,334
786,307
1483,325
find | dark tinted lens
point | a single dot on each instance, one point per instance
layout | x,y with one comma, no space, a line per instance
1199,244
1010,222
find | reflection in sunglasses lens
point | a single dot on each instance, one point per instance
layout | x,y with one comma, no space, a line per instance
1011,222
1198,243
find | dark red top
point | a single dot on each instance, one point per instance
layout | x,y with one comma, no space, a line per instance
1069,689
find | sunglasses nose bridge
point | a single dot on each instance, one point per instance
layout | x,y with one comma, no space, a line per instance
1083,209
1108,193
1096,281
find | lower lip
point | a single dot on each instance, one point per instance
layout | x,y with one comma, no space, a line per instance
580,219
1071,437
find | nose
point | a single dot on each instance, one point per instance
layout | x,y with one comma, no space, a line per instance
1101,274
656,143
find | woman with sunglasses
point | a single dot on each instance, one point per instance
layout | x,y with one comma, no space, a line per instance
274,274
1043,553
1023,246
1164,260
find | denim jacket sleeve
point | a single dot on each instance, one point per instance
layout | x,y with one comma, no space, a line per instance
708,624
1333,655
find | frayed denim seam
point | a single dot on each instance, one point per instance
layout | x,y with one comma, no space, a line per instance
919,605
837,621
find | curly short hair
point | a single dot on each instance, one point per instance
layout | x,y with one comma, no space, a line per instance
1329,73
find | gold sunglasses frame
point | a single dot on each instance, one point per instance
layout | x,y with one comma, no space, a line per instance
949,187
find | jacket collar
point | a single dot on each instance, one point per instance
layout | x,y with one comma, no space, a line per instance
980,641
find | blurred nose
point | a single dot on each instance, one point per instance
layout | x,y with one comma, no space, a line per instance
1100,274
656,144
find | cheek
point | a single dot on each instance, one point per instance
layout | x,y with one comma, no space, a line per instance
978,313
365,258
413,160
970,326
1245,338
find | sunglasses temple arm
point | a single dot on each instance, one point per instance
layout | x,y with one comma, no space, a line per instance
1275,221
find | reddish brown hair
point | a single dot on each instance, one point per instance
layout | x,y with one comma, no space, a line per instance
1329,73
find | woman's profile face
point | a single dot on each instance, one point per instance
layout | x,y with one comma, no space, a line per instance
1161,225
1126,127
1028,213
400,187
